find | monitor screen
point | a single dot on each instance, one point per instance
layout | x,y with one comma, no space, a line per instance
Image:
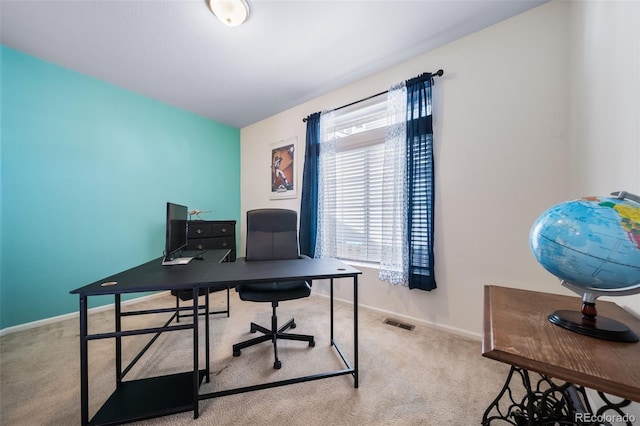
176,239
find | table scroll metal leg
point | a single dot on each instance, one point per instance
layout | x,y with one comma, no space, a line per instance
544,403
84,366
506,414
615,407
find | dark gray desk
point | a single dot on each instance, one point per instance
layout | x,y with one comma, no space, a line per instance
126,403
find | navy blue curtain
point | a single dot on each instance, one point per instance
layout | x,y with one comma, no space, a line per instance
420,183
309,202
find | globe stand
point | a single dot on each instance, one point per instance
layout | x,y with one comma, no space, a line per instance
587,321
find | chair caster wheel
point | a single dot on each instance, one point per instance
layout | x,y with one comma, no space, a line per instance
236,353
293,325
312,344
277,365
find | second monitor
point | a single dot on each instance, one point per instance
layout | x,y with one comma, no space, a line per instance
176,235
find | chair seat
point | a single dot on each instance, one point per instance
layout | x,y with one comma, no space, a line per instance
274,292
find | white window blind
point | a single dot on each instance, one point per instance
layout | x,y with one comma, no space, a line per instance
359,132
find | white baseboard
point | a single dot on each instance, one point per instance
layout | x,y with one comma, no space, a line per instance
29,325
395,315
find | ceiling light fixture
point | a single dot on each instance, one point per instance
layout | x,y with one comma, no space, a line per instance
230,12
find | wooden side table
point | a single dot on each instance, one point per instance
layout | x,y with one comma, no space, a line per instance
518,332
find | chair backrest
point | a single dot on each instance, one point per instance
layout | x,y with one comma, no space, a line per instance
272,234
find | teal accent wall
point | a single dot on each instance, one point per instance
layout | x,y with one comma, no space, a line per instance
87,170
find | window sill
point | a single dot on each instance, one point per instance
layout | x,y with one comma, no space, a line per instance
360,264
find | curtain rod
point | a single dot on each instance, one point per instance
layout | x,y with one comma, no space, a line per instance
438,73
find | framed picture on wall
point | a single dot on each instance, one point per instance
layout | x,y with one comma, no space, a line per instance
283,169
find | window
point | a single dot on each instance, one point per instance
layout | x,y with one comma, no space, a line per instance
371,184
359,133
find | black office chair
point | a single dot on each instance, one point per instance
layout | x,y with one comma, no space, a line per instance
272,234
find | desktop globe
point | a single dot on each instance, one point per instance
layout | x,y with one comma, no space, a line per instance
593,242
592,245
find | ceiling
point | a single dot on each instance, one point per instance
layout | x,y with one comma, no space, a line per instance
286,53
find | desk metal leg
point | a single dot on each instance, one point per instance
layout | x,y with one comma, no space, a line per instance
228,305
118,340
355,330
207,338
331,299
196,363
84,366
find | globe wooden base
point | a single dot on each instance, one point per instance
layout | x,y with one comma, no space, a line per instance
599,327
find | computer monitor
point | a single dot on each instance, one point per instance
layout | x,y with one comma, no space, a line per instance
176,234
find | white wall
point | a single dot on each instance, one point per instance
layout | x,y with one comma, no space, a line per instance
503,147
605,102
605,107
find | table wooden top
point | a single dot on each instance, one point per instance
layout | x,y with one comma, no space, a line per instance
517,332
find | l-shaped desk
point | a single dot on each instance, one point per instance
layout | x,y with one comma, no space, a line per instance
158,396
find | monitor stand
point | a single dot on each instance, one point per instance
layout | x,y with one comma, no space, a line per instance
177,261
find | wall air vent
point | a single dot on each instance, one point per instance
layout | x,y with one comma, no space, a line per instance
396,323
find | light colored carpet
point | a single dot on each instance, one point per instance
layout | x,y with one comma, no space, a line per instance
420,377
